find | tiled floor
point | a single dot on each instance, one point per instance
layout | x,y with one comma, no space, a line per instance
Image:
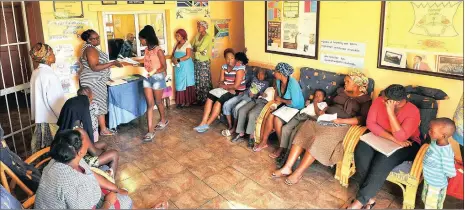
193,170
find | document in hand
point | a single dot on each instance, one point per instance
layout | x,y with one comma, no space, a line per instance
327,117
218,92
285,113
380,144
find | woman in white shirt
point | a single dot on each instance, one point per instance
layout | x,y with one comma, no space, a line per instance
47,97
184,70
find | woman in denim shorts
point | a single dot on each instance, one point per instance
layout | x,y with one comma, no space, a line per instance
154,83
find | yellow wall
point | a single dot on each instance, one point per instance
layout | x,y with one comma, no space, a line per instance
218,10
346,21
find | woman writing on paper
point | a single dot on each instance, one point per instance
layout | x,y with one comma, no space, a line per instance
96,74
289,94
184,70
324,142
394,119
154,83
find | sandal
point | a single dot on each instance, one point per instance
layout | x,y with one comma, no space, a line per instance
273,156
237,138
104,132
161,126
274,175
370,205
289,183
258,149
201,127
226,133
149,137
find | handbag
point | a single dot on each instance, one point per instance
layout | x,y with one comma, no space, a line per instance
455,186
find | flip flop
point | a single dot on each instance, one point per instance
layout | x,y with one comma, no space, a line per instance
201,127
204,129
226,133
161,126
237,138
371,205
107,134
273,175
289,183
258,149
273,156
149,137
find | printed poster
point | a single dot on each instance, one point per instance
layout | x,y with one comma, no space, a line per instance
68,9
291,9
274,10
189,9
342,60
69,29
274,34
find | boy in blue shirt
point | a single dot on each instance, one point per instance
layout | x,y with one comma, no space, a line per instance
438,163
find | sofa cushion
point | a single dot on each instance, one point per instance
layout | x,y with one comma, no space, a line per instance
405,167
312,79
428,92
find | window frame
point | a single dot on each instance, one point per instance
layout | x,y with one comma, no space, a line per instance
136,26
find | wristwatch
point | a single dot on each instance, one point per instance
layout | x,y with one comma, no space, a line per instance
179,60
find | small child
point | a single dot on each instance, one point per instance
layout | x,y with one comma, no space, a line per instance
93,108
438,163
256,89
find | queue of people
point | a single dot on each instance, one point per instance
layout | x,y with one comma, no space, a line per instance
68,182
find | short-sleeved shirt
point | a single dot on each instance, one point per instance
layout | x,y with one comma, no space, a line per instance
230,77
62,187
293,92
151,60
438,165
257,87
184,47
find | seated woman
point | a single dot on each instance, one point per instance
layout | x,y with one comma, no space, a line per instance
232,83
394,119
76,114
323,141
68,183
288,93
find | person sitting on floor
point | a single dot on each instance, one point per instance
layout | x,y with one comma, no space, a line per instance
288,93
324,141
75,114
438,163
256,89
232,83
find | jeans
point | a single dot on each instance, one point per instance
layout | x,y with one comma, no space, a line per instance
229,105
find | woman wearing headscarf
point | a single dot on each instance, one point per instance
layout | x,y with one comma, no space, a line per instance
184,76
287,93
96,74
202,45
323,142
47,97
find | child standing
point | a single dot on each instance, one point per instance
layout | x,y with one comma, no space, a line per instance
438,163
232,106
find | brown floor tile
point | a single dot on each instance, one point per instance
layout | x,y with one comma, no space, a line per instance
224,180
218,203
180,182
244,193
136,182
333,187
208,168
195,157
383,200
251,164
325,200
271,201
195,197
149,196
164,170
126,171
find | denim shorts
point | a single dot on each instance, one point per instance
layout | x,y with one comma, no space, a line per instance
156,82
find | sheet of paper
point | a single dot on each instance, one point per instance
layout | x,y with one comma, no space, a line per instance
117,82
380,144
285,113
218,92
327,117
269,92
128,60
343,60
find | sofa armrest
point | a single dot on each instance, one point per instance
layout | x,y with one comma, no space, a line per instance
417,167
261,118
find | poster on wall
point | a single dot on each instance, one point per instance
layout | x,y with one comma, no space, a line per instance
221,28
292,28
189,9
69,29
422,37
68,9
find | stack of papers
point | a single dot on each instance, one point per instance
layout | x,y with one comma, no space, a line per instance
116,82
327,117
285,113
128,60
380,144
131,78
218,92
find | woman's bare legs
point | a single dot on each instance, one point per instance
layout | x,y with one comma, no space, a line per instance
159,102
206,111
278,125
102,125
109,157
293,155
150,104
307,160
216,110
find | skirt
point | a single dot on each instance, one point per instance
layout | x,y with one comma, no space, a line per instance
203,81
99,90
187,96
325,143
43,136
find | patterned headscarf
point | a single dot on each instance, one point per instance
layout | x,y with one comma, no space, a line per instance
40,52
285,69
360,80
203,23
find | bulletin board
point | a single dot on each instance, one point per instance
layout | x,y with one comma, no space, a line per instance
292,28
422,37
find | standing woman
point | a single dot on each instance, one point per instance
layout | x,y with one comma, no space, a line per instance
47,97
96,74
202,47
155,64
184,70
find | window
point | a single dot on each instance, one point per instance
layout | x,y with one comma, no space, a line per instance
122,29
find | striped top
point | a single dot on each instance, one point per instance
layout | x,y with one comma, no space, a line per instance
230,77
87,73
438,165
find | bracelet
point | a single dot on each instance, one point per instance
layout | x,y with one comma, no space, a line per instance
179,60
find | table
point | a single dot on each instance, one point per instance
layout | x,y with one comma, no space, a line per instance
126,102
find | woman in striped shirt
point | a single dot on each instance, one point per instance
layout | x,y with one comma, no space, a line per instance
232,83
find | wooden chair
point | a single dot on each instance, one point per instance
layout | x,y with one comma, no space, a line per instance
4,171
408,175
